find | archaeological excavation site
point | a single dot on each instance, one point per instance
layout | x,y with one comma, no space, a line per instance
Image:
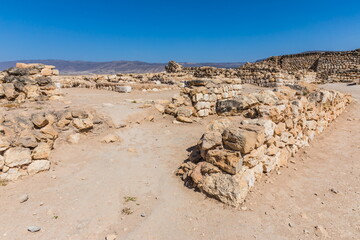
267,150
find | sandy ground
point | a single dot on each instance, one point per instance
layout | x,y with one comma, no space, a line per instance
82,197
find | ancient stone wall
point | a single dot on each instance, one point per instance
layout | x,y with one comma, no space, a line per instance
270,127
329,66
118,82
315,67
199,97
27,82
26,140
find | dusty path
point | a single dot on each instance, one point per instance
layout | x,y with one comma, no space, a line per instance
83,196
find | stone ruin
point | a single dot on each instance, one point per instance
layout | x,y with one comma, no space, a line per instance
260,132
199,97
28,82
313,67
27,139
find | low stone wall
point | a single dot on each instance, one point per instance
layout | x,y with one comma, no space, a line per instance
116,82
268,129
27,82
199,97
26,140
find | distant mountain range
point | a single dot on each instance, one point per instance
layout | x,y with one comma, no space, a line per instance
85,67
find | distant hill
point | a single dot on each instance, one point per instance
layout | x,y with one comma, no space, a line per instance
85,67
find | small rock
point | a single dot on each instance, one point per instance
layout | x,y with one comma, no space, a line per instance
23,198
33,229
334,191
184,119
38,166
160,108
244,208
111,237
110,138
121,125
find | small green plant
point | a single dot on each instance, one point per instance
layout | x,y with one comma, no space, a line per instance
55,217
126,211
129,199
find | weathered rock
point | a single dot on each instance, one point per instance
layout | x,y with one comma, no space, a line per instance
42,151
50,132
83,124
17,156
39,120
184,111
110,138
230,162
184,119
173,67
210,140
33,229
201,170
4,143
243,140
2,162
38,166
12,174
23,198
124,89
9,91
229,189
160,108
27,139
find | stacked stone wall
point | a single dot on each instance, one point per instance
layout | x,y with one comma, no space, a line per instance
199,97
28,82
316,67
268,129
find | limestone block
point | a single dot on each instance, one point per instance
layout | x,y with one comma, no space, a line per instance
18,156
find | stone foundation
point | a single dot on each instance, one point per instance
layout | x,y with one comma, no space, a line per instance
262,132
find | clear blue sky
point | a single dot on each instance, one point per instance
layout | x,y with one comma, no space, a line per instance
188,30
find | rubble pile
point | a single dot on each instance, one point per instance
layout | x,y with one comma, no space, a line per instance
260,133
28,82
27,139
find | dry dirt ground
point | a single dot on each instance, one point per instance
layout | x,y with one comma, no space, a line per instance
91,184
